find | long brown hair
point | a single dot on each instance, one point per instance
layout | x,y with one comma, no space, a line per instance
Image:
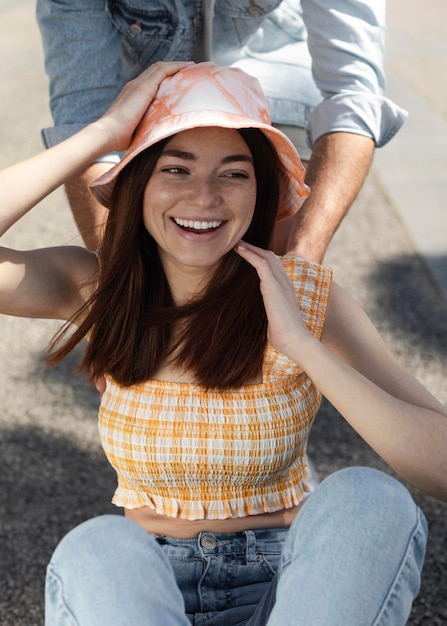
131,316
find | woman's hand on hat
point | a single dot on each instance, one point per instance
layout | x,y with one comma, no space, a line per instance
286,328
123,116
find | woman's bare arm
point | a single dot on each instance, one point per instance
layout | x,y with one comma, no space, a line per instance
51,282
392,411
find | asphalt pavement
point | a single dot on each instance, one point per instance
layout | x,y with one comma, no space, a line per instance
390,253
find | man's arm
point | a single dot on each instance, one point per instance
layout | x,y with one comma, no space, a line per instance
346,42
336,172
89,215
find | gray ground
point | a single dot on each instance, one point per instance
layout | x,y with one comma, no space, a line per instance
53,473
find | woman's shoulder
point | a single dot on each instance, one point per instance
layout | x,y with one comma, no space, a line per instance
302,270
312,283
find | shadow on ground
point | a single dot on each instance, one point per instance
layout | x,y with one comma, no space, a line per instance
409,304
67,383
47,485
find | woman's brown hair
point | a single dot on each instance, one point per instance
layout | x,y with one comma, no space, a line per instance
131,316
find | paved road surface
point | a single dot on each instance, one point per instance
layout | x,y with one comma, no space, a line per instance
412,167
52,471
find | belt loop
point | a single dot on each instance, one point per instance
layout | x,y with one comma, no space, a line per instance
250,550
208,20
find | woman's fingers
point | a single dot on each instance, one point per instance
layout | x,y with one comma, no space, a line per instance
123,115
266,263
258,257
284,318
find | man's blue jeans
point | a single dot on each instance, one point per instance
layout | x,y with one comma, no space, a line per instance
352,557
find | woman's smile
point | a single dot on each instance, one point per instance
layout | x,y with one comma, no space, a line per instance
198,226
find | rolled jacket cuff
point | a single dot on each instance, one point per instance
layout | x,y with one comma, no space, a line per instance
363,114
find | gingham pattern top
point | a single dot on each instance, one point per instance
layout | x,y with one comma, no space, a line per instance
195,454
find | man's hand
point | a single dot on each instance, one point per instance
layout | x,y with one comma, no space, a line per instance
100,384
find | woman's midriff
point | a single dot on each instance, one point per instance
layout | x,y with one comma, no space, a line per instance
157,524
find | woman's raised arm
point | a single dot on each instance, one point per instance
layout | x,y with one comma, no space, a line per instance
389,408
46,282
23,185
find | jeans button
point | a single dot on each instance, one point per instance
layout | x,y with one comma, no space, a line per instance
136,28
208,541
253,9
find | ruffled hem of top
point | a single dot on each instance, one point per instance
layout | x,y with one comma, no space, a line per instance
214,509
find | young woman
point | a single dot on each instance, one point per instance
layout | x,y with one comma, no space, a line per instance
215,354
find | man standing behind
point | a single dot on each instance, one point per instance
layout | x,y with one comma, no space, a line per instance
319,62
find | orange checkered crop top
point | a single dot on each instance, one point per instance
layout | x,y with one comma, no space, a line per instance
195,454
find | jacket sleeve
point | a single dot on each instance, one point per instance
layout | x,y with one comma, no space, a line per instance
81,49
346,40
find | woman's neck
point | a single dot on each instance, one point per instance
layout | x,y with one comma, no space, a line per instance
186,283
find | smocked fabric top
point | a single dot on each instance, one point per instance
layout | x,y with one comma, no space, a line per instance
192,453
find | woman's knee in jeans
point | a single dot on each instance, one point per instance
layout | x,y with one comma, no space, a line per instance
83,538
100,543
360,538
104,553
361,502
367,490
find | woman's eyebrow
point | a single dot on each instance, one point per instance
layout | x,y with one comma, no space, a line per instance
181,154
237,157
189,156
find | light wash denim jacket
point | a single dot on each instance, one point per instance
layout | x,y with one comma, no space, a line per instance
319,62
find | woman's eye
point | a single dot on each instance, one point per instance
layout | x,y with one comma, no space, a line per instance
236,175
174,170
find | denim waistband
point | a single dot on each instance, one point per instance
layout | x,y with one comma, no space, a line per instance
248,542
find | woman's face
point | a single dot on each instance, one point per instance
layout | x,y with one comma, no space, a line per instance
200,199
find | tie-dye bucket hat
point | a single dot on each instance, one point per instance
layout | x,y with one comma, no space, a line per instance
205,94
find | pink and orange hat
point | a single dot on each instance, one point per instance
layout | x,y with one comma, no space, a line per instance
204,94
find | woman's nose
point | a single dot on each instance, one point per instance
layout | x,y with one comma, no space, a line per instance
205,193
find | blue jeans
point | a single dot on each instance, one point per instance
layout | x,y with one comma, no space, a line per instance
352,556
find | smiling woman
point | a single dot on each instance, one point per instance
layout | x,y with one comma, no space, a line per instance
215,354
231,306
215,179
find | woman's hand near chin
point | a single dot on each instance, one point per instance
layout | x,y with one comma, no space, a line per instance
286,328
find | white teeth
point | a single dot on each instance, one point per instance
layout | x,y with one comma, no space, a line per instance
197,225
